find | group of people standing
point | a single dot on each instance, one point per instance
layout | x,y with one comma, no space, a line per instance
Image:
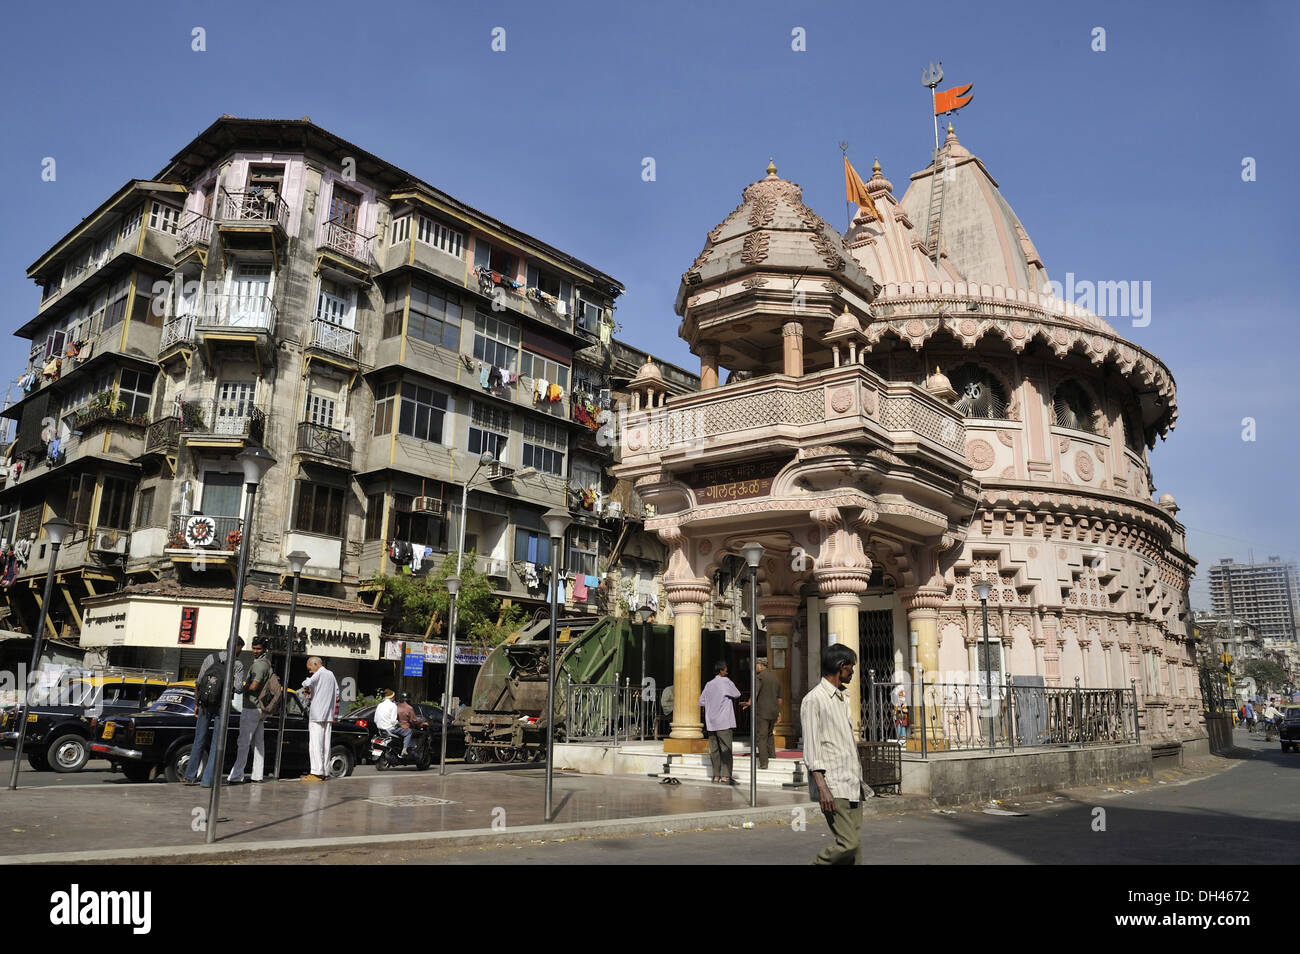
830,751
1267,714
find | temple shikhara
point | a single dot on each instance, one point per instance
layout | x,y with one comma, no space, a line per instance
900,414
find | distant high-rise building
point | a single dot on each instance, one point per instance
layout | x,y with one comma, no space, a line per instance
1264,593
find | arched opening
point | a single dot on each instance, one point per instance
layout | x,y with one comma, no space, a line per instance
1074,408
979,393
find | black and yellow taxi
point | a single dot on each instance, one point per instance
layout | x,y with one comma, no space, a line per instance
157,741
63,718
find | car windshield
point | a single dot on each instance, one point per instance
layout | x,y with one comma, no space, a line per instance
1293,714
174,700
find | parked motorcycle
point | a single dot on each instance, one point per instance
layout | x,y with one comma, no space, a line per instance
386,750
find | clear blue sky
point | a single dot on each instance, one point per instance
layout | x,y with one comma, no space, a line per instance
1123,165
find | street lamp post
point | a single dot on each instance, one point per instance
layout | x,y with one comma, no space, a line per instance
297,563
453,588
56,528
484,459
645,612
256,461
753,554
557,521
982,591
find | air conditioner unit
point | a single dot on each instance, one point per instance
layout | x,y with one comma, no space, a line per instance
500,471
613,510
498,568
111,542
433,505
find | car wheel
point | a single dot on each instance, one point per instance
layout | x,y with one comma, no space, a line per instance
37,761
68,753
178,764
135,772
340,763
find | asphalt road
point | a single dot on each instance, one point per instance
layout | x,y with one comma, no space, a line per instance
1248,814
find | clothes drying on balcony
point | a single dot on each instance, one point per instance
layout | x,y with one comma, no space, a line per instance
419,553
52,369
580,588
400,552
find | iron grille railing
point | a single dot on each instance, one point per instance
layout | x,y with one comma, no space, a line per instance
163,435
608,713
225,417
177,331
951,717
262,205
196,531
333,338
197,231
346,241
324,442
237,311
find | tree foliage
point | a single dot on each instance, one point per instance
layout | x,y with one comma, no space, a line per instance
1266,673
410,602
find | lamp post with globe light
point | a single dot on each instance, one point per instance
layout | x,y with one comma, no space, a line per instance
255,461
557,522
297,563
56,528
982,590
753,554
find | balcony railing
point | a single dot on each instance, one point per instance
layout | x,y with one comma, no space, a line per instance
236,311
346,241
324,442
333,338
262,205
163,435
224,418
194,531
197,231
177,331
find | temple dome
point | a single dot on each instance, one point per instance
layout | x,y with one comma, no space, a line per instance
891,249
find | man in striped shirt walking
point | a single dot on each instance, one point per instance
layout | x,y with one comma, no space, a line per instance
831,755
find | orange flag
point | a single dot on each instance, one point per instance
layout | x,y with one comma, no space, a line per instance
855,190
951,100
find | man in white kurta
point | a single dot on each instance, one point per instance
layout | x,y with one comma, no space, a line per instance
324,690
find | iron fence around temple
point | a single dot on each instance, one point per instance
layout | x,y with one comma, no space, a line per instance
919,717
609,713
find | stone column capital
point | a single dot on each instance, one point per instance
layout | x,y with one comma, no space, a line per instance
707,349
688,596
922,598
792,328
841,581
779,610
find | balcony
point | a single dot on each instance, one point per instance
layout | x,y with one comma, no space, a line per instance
240,325
335,340
163,436
193,236
197,539
327,443
346,252
256,208
177,333
222,423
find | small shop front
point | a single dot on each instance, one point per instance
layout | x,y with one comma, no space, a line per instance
420,667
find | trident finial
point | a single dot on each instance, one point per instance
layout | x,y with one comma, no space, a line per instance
933,76
844,147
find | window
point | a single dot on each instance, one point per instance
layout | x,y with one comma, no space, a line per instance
587,380
544,447
1074,408
418,528
385,399
131,222
422,412
401,230
135,390
394,306
496,342
550,283
435,316
319,510
532,546
144,508
115,503
54,344
584,474
494,259
116,307
320,410
489,429
374,517
432,232
344,207
81,492
96,309
979,393
584,547
588,315
535,366
164,217
334,302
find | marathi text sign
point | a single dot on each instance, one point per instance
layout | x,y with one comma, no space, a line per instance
736,482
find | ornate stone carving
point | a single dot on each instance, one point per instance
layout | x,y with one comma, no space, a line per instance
688,596
915,328
1083,465
756,282
979,454
968,327
764,207
841,400
833,287
1006,438
826,249
705,547
868,401
1009,471
1063,444
755,248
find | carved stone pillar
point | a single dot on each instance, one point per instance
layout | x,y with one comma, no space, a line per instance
779,613
843,570
687,597
708,365
792,350
922,606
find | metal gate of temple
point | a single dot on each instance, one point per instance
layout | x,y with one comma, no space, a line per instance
879,751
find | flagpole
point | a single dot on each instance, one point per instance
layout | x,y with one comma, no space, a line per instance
848,206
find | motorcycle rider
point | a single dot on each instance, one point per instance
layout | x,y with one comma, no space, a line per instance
386,715
407,719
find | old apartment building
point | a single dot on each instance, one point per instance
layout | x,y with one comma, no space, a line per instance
274,285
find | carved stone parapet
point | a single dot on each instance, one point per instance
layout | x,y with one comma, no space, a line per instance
688,596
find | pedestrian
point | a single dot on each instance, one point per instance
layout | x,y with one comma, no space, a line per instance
324,689
207,707
767,709
1272,719
831,756
1250,717
252,720
720,720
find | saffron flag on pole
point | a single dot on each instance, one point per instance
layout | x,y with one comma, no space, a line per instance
855,190
951,100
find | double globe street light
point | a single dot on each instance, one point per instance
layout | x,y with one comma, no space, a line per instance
557,522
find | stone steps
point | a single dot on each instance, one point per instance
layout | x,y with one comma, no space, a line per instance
779,773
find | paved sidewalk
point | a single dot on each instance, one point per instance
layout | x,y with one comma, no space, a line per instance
99,823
